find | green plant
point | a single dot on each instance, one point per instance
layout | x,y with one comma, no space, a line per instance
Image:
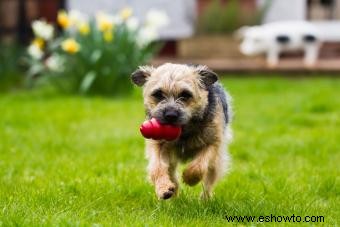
93,56
224,18
11,74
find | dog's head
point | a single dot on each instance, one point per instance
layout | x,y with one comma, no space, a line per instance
174,93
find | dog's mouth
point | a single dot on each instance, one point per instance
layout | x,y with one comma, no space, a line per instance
178,123
176,118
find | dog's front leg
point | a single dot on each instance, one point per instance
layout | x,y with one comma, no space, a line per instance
198,167
161,168
208,166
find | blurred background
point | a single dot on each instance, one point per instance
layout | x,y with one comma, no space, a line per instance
196,31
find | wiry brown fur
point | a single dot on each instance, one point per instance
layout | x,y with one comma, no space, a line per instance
204,127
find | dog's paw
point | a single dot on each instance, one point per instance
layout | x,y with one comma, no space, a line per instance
191,176
165,191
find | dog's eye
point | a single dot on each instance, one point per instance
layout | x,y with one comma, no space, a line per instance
185,95
158,95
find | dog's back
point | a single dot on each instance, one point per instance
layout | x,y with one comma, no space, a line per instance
224,98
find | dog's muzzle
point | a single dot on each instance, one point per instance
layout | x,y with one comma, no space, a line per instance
171,115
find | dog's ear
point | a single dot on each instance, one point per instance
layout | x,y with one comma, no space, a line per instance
139,77
207,76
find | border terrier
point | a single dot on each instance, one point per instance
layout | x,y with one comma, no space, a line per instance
189,96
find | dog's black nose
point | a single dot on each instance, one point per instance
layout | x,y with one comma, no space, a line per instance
171,115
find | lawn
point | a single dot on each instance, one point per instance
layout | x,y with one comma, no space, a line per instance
67,160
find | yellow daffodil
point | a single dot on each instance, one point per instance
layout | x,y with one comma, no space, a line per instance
38,42
63,20
125,13
105,26
104,22
108,36
70,46
84,28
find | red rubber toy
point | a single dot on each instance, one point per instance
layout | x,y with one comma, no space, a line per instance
152,129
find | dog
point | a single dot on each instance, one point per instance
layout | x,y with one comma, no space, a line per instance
189,96
282,36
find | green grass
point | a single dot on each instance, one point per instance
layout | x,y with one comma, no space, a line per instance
79,161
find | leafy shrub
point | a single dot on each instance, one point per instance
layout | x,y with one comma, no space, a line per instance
11,74
219,18
93,56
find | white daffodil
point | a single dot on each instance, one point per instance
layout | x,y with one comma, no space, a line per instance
35,52
132,23
146,36
156,18
42,29
77,18
79,21
55,63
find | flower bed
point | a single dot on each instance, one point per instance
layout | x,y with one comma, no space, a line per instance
92,56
